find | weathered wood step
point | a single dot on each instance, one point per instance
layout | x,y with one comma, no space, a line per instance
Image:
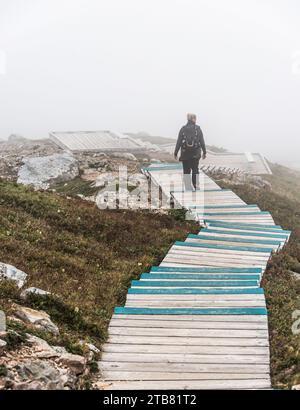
150,376
150,311
184,367
190,385
186,324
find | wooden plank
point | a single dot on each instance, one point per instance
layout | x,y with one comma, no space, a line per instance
187,341
175,349
190,333
222,254
186,324
187,296
205,270
240,240
219,312
194,303
196,283
208,232
242,259
195,291
196,318
199,276
189,385
163,358
151,376
184,367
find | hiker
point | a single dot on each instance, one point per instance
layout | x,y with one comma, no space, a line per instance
191,142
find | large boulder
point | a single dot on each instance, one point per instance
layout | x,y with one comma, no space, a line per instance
34,291
41,172
11,273
40,375
38,318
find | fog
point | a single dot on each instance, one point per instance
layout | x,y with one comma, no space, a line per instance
141,65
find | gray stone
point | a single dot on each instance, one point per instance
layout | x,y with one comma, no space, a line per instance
40,172
12,273
38,374
60,350
33,291
42,349
38,318
74,362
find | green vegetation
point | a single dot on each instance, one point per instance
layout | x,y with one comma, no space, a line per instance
75,187
3,370
84,256
281,287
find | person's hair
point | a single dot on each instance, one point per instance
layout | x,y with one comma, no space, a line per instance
191,117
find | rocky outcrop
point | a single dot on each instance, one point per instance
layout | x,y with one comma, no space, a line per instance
41,172
10,272
74,362
33,291
38,318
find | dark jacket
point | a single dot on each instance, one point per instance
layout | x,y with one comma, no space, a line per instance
190,153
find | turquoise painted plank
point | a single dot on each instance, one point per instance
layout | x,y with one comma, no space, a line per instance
204,269
262,235
188,311
199,283
238,240
224,247
258,213
165,168
137,291
194,276
242,225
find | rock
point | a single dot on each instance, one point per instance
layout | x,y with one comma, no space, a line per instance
39,373
60,350
125,155
42,349
74,362
40,172
28,386
33,291
296,387
11,273
2,346
38,318
155,161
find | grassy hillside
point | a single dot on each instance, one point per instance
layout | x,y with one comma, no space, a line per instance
281,287
84,256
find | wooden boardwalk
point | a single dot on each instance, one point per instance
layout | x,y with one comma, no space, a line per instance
199,319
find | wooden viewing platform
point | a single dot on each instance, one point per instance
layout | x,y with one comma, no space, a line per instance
199,319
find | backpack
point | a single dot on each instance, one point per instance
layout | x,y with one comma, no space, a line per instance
190,140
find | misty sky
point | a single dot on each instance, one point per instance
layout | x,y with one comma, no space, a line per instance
133,65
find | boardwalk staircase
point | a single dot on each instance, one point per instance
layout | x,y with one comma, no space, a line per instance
199,319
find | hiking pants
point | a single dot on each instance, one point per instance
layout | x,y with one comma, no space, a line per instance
191,166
